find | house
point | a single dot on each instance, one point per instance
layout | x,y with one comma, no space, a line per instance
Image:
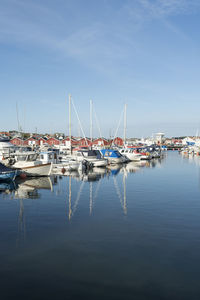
118,142
84,142
53,141
17,141
42,141
101,142
31,141
66,142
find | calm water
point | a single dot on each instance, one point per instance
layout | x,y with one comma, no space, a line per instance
129,233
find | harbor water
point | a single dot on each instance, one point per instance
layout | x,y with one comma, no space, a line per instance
124,232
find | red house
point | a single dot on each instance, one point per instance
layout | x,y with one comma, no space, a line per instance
118,141
101,142
17,141
31,141
84,142
74,142
53,141
42,141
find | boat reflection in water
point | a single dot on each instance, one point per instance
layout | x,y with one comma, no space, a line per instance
29,187
75,181
7,187
97,174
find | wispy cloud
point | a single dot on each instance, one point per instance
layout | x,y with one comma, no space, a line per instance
160,8
96,43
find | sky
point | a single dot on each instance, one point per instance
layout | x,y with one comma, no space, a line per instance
143,53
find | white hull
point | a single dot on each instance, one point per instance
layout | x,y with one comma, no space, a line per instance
116,160
37,170
146,157
66,166
96,162
99,162
133,156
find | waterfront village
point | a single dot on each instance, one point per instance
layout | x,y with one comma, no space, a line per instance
34,139
25,154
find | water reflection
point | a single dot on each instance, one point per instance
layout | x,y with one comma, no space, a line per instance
7,187
125,228
28,188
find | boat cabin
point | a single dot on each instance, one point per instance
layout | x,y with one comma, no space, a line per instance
48,157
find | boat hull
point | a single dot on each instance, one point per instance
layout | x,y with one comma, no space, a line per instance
37,170
8,176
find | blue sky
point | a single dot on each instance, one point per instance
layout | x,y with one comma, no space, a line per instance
141,52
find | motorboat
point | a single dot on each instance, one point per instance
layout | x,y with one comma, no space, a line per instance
93,157
58,161
131,154
6,148
113,156
29,164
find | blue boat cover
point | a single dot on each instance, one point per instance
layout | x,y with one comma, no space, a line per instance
3,168
110,153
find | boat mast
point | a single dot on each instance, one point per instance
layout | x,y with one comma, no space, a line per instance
125,107
70,134
91,122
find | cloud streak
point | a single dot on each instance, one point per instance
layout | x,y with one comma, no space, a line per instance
99,44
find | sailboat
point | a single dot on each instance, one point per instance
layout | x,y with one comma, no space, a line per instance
94,158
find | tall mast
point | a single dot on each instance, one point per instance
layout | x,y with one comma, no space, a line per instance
91,122
70,134
125,107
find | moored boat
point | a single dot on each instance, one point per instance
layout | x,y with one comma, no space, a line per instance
27,162
6,173
131,154
113,156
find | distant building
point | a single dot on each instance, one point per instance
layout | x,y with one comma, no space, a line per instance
17,141
53,141
101,142
118,141
159,137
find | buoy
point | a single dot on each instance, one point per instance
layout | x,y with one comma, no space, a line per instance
63,170
23,175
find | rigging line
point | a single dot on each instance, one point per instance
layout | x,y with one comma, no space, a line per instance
17,117
77,198
118,191
91,200
96,192
97,121
79,122
118,125
122,200
97,189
